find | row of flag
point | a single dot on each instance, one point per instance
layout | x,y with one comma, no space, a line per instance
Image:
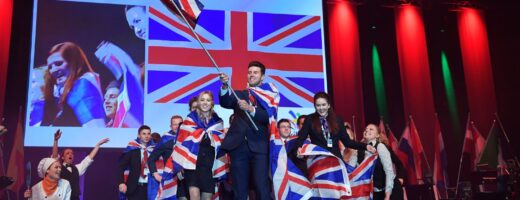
478,150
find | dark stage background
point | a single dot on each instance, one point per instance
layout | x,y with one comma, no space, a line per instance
376,24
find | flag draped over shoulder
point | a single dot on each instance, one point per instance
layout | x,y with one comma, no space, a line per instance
133,145
167,188
410,153
131,96
440,165
288,181
191,133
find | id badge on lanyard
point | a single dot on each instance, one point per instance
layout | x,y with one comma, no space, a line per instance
326,134
329,142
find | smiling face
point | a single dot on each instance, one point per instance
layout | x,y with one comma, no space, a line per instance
322,106
58,68
137,20
371,133
54,171
254,76
205,102
110,103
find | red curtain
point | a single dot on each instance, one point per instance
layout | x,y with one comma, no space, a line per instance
477,67
415,72
6,12
345,60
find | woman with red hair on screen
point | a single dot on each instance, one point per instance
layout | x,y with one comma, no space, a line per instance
72,90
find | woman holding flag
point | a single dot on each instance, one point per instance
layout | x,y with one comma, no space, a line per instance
327,172
326,129
384,175
198,148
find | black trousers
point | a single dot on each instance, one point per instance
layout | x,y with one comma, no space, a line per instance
140,193
245,162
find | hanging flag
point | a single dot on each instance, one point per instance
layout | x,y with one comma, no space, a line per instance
392,140
440,164
410,153
382,127
473,144
491,155
16,159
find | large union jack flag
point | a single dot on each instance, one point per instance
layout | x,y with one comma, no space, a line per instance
289,45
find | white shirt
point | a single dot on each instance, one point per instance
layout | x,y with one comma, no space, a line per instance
62,191
82,166
146,170
386,161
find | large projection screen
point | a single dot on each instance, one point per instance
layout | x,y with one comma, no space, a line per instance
102,68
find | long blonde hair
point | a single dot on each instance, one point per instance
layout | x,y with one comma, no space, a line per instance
211,111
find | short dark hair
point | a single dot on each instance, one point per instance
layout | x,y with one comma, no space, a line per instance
257,64
193,99
300,117
156,137
143,127
113,84
282,121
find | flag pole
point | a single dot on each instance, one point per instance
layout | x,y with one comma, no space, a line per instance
507,140
210,57
461,156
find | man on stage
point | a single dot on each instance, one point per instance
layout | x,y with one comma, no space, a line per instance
71,172
247,147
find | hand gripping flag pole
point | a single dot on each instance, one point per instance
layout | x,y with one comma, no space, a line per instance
181,14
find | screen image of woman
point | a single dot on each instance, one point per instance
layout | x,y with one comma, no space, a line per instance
72,90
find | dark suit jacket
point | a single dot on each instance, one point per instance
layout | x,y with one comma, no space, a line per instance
241,127
165,150
318,138
131,161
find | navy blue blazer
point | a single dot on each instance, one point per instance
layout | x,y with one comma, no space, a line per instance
241,127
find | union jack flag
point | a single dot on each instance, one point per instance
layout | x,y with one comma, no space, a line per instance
361,178
190,9
289,45
133,145
288,181
167,189
327,173
130,99
191,133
